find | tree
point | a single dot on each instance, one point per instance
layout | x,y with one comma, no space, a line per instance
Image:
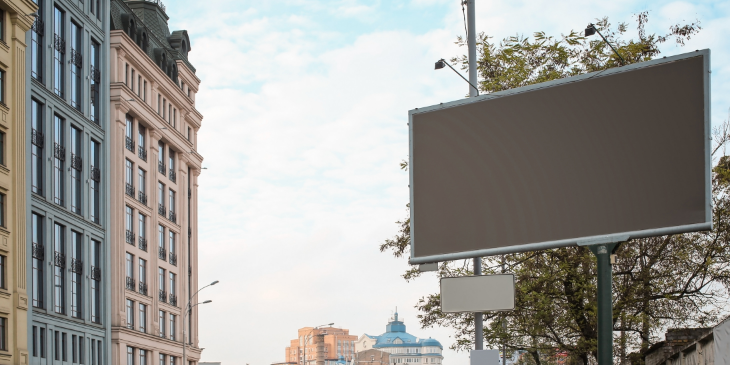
665,281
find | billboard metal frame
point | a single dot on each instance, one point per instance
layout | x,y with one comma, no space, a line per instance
577,241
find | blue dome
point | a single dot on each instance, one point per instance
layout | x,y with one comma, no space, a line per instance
431,342
396,336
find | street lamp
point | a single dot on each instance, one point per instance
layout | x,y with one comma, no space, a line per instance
188,309
304,349
591,30
440,64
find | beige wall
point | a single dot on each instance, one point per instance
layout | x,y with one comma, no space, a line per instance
331,337
13,296
125,101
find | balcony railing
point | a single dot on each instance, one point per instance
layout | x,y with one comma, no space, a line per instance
59,152
95,174
173,258
39,252
173,300
95,273
161,210
142,244
129,189
173,177
130,237
131,283
76,58
162,253
95,74
76,162
143,288
37,138
161,167
38,26
77,266
129,144
142,153
59,44
142,197
59,259
163,296
173,217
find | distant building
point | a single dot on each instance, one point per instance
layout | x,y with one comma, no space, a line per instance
706,346
371,357
401,346
337,347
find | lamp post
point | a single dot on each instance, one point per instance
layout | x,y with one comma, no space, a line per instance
591,30
304,349
440,64
188,309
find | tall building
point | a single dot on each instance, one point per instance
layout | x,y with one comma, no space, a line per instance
155,169
67,255
14,24
402,346
337,345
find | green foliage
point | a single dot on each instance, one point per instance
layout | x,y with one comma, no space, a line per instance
665,281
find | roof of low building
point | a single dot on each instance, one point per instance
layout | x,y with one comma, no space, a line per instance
396,336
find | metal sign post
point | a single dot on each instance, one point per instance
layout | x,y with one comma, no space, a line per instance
605,301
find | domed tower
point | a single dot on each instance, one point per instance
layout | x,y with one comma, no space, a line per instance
404,347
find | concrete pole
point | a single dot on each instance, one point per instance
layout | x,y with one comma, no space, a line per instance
472,43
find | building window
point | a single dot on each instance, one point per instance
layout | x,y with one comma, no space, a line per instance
139,86
161,240
59,154
162,324
161,158
128,132
189,129
36,148
36,45
172,165
74,357
93,352
130,271
173,360
95,181
142,357
38,260
142,318
95,281
159,103
142,232
163,293
172,205
95,76
129,224
173,251
76,166
144,91
3,334
141,145
2,210
130,314
131,80
56,345
42,342
173,326
3,272
162,359
142,185
161,200
129,178
130,355
99,352
81,349
64,356
2,82
143,276
59,46
76,64
126,74
59,272
173,288
76,270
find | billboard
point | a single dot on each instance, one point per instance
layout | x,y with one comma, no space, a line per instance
601,157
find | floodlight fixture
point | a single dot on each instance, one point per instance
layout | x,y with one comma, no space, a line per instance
591,30
440,64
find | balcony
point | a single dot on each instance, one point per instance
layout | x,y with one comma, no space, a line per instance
161,167
143,244
76,162
173,177
161,210
130,144
95,174
129,190
142,197
173,258
130,283
95,273
162,254
77,266
143,288
130,237
142,153
38,252
37,138
173,300
59,259
173,217
163,296
59,152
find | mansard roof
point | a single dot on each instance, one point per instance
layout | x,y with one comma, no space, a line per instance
145,21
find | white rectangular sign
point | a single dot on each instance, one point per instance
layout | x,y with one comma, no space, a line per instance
478,293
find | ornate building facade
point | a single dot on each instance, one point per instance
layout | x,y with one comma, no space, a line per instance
154,169
67,176
15,22
401,346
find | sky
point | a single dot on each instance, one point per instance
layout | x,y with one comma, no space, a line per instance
305,108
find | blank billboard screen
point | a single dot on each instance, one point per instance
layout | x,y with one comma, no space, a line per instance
482,293
624,151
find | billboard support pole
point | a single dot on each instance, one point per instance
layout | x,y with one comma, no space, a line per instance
605,302
472,43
